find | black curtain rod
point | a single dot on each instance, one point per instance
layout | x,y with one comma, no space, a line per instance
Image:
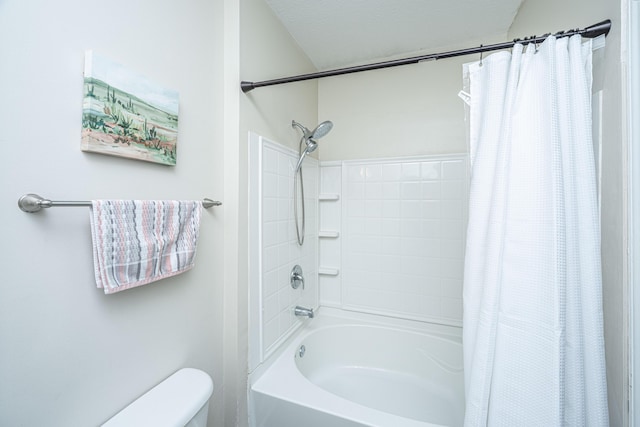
588,32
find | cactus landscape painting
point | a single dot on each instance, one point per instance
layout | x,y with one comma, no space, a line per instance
125,114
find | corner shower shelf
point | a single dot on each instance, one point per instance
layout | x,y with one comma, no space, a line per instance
329,234
329,197
328,271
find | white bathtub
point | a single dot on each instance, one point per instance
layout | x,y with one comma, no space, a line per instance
359,371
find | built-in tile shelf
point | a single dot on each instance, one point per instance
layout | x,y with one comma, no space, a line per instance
328,197
324,271
329,234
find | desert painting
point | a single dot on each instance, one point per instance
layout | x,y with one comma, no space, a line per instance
124,114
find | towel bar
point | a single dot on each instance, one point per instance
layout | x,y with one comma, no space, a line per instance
34,203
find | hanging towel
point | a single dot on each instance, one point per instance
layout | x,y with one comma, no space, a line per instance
136,242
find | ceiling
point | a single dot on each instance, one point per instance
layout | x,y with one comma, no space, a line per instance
337,33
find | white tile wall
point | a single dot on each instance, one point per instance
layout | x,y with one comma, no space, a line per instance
402,229
279,249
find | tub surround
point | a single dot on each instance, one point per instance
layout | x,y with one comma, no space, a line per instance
275,249
382,263
384,236
392,235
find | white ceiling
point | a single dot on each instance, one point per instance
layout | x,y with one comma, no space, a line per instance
337,33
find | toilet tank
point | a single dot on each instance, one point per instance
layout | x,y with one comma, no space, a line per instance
180,400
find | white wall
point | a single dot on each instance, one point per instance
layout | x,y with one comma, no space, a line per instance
72,356
274,248
402,111
399,112
266,51
401,232
633,54
539,17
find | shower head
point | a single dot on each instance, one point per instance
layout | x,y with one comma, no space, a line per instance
309,138
321,130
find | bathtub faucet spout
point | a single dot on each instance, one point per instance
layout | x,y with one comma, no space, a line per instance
302,311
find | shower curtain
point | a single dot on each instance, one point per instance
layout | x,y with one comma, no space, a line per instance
533,332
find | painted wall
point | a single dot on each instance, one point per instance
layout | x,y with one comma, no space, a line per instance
264,50
72,356
410,110
534,18
267,51
402,111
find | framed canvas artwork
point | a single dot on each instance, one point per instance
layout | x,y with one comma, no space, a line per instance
125,114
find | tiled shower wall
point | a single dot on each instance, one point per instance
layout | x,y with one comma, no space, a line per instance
392,236
274,250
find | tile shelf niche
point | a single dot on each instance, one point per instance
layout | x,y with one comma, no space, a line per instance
328,197
329,234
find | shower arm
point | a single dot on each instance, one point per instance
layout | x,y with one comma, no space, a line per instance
306,133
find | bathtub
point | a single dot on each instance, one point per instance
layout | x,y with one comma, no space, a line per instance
357,370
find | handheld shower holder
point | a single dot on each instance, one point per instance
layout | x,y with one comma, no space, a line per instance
309,138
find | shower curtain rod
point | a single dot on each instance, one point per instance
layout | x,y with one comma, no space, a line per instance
588,32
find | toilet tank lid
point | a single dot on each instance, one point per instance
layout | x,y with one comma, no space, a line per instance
173,402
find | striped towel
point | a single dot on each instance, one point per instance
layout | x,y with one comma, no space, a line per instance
136,242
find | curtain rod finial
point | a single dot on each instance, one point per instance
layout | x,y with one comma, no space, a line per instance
247,86
597,29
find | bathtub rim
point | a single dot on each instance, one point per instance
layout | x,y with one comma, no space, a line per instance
330,316
317,398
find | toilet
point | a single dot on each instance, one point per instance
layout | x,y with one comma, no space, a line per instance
179,401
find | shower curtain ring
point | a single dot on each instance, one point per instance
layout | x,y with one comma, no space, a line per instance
481,52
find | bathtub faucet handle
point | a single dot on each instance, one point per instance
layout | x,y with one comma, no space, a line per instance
296,277
303,312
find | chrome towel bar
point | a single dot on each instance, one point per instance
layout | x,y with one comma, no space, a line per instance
34,203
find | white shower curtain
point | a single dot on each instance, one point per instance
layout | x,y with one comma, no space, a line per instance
533,333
